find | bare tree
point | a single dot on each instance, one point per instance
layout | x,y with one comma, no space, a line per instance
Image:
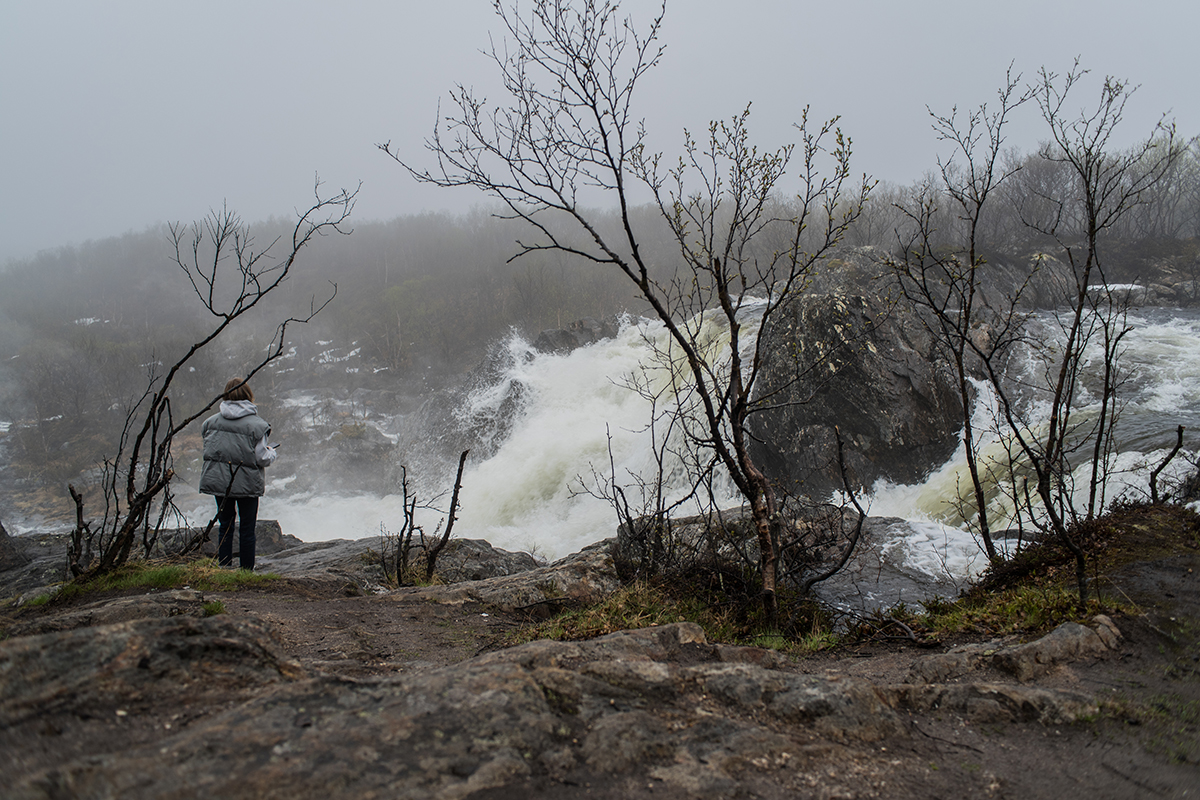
395,547
945,282
1106,185
568,133
231,277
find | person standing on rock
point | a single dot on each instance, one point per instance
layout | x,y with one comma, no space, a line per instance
235,452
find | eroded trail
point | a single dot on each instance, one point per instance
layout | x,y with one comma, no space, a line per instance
326,631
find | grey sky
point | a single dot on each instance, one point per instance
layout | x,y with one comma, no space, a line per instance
117,115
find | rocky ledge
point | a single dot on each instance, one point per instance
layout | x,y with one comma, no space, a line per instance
147,697
659,707
220,710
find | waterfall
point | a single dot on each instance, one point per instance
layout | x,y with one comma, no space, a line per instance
572,408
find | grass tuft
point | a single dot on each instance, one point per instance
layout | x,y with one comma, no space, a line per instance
214,607
203,575
645,604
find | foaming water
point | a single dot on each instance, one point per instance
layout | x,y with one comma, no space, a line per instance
573,408
1162,362
530,494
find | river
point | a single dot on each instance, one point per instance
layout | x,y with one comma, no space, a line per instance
528,493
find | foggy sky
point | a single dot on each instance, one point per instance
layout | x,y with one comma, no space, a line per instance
118,115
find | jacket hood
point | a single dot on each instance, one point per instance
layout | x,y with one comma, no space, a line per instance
236,409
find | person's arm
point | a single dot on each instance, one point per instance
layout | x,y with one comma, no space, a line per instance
264,453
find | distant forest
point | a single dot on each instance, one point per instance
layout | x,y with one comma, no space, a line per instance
418,300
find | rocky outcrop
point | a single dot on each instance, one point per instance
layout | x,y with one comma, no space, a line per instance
578,334
581,577
11,557
476,560
992,702
1067,643
268,538
636,705
356,562
130,667
849,361
658,707
155,605
1043,279
40,559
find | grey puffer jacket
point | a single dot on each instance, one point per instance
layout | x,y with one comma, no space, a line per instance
235,451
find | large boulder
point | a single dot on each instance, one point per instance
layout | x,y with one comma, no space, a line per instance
269,538
358,562
1034,279
578,334
853,362
585,576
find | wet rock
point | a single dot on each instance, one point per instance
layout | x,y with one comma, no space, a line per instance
153,605
578,334
1068,642
11,557
41,562
835,707
993,702
586,575
144,662
354,561
268,538
572,710
357,561
1107,630
957,662
476,560
850,361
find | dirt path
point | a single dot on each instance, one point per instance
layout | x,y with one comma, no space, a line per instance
356,636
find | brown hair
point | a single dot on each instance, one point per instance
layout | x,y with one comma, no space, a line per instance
238,389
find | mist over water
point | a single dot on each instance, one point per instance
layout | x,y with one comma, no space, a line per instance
572,408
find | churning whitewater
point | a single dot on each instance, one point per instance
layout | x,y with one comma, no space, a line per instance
575,409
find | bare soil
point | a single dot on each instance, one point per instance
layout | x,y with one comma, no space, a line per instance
325,630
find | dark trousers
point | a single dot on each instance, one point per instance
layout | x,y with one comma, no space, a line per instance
246,509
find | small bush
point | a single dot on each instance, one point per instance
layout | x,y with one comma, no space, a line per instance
1021,609
644,604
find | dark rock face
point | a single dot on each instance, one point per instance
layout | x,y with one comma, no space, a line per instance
844,360
1043,280
578,334
11,557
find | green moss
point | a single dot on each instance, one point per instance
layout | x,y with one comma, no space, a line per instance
203,575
